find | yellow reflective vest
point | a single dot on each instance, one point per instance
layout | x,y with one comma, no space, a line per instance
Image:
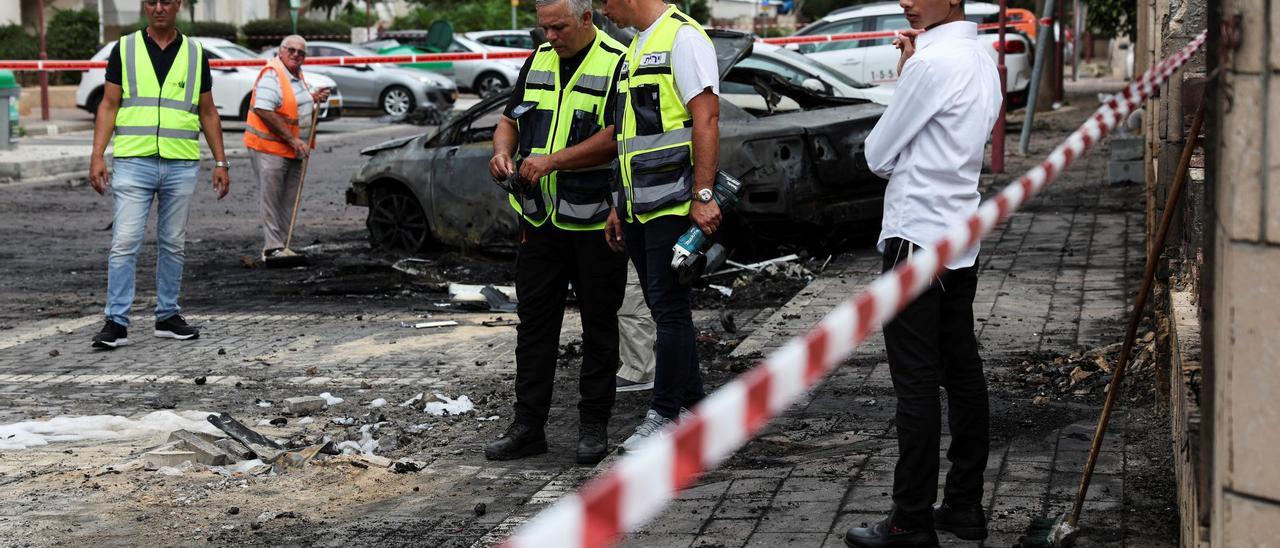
158,119
655,130
553,117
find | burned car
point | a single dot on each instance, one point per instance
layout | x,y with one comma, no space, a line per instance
798,149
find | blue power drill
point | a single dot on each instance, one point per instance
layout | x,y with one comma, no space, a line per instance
692,256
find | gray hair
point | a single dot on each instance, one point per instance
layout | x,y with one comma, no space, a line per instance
291,37
576,7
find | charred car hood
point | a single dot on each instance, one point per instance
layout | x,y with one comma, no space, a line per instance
387,145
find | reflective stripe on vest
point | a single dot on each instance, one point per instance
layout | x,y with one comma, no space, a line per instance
655,135
562,117
158,119
257,134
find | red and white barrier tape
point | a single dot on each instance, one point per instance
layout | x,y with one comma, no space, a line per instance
641,483
436,57
226,63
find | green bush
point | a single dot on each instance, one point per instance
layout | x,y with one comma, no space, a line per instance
203,29
264,33
17,43
71,34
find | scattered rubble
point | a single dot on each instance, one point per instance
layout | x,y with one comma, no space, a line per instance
305,405
440,405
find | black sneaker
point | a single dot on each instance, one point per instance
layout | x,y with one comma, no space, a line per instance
593,442
112,335
520,440
174,327
967,522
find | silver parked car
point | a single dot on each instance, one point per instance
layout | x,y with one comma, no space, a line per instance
484,77
392,89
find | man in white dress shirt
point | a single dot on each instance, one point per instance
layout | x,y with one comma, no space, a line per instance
929,144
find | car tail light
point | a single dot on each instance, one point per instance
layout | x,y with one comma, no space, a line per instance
1011,46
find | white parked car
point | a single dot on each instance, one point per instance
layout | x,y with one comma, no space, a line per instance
232,86
805,72
519,39
484,77
393,89
876,61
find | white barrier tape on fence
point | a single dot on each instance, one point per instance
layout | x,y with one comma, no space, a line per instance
641,483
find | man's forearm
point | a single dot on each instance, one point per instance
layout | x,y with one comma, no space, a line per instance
705,109
103,127
597,149
505,137
211,124
276,124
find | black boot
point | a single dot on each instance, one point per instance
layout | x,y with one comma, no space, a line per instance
520,440
593,442
968,522
883,534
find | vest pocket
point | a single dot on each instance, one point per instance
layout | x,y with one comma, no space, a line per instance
661,177
582,197
647,106
581,127
534,126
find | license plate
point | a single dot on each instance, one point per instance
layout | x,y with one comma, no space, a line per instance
335,103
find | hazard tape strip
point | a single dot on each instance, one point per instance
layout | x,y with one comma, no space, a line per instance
640,484
435,57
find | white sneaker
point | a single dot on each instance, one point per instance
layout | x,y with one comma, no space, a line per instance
652,425
623,385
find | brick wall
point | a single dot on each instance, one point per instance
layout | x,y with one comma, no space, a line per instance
1243,358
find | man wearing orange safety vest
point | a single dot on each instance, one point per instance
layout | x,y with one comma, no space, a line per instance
278,133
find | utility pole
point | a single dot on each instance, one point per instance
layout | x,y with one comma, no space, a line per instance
514,4
44,74
997,134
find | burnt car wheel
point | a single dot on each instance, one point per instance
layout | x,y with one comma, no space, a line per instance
397,222
490,84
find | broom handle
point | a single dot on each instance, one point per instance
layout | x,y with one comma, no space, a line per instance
297,199
1140,302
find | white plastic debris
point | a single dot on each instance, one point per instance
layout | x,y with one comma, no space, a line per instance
305,420
22,435
489,418
366,446
331,400
444,405
412,400
245,465
726,291
377,403
264,422
264,404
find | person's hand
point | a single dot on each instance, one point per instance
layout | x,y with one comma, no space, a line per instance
536,167
905,41
706,215
99,178
221,181
501,166
613,231
300,149
320,96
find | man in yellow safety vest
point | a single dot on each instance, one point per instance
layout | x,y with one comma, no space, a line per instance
157,100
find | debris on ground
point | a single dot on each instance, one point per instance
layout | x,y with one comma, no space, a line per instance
473,296
26,434
429,325
499,322
262,446
305,405
440,405
1087,373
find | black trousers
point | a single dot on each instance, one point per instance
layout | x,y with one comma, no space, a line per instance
931,344
549,259
677,379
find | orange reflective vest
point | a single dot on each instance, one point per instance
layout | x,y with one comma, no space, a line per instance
258,136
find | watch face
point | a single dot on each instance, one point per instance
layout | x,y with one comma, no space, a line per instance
704,195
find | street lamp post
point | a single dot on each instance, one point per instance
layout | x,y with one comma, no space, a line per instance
44,75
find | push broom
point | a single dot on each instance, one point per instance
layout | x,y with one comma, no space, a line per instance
288,258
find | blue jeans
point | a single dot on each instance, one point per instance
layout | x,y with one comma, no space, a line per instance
134,181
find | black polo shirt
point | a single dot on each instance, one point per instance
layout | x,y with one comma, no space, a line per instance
567,68
161,60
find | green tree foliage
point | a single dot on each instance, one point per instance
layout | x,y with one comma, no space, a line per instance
467,16
264,33
71,34
1113,18
17,43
